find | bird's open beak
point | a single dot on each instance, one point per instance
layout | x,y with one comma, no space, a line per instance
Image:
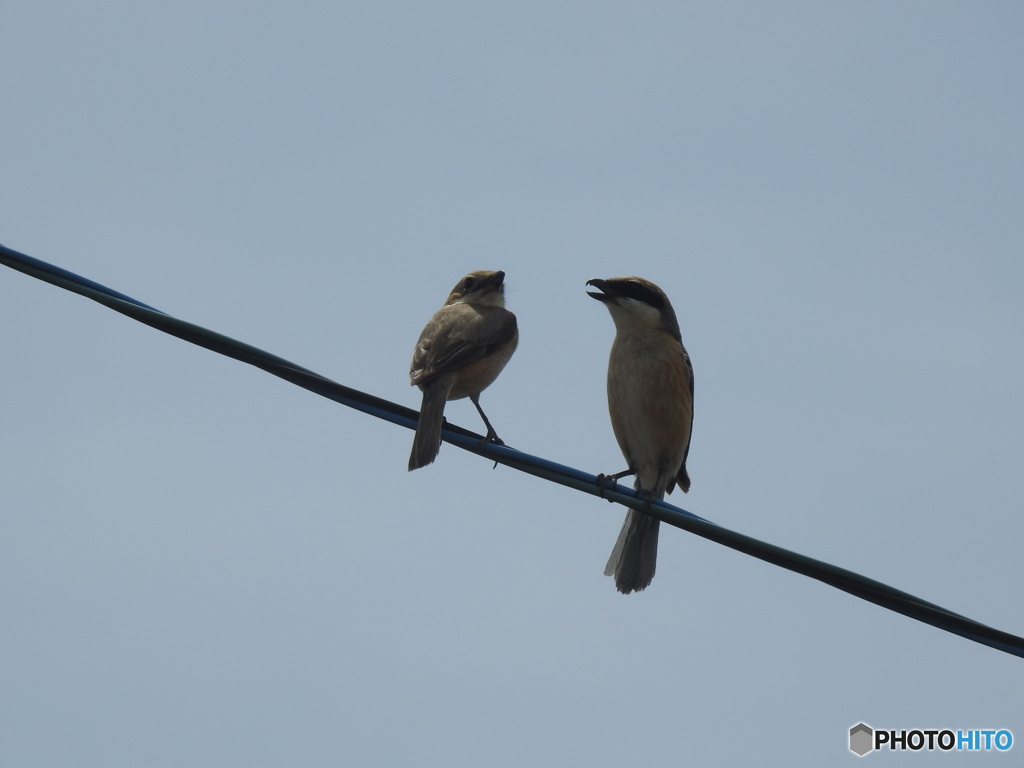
602,285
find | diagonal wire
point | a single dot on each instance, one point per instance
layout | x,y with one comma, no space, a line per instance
840,578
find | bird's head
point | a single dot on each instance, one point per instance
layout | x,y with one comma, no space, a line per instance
480,287
635,304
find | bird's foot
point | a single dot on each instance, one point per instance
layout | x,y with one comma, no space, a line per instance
603,480
648,500
491,437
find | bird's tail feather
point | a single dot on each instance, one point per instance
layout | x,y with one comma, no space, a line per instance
427,441
635,553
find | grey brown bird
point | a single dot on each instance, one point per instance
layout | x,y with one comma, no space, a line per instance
460,353
650,401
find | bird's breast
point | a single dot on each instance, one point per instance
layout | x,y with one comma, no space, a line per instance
651,405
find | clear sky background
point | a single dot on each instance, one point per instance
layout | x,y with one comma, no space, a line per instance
203,565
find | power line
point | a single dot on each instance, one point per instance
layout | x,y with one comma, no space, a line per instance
840,578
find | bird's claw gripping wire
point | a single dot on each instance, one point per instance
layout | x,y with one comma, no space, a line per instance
603,480
491,437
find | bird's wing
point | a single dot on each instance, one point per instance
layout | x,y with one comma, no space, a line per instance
682,477
456,336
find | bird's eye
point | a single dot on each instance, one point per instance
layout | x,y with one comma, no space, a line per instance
469,284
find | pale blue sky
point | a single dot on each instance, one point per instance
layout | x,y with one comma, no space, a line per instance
202,565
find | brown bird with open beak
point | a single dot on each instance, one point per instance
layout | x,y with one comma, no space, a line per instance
650,400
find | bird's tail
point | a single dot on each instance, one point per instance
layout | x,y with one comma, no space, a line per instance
427,441
635,553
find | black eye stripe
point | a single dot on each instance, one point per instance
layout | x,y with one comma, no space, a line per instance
640,292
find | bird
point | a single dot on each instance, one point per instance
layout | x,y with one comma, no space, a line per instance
650,401
461,351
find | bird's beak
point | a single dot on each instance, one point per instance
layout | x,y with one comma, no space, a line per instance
607,294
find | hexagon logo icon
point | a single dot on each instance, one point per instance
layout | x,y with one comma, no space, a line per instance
861,739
